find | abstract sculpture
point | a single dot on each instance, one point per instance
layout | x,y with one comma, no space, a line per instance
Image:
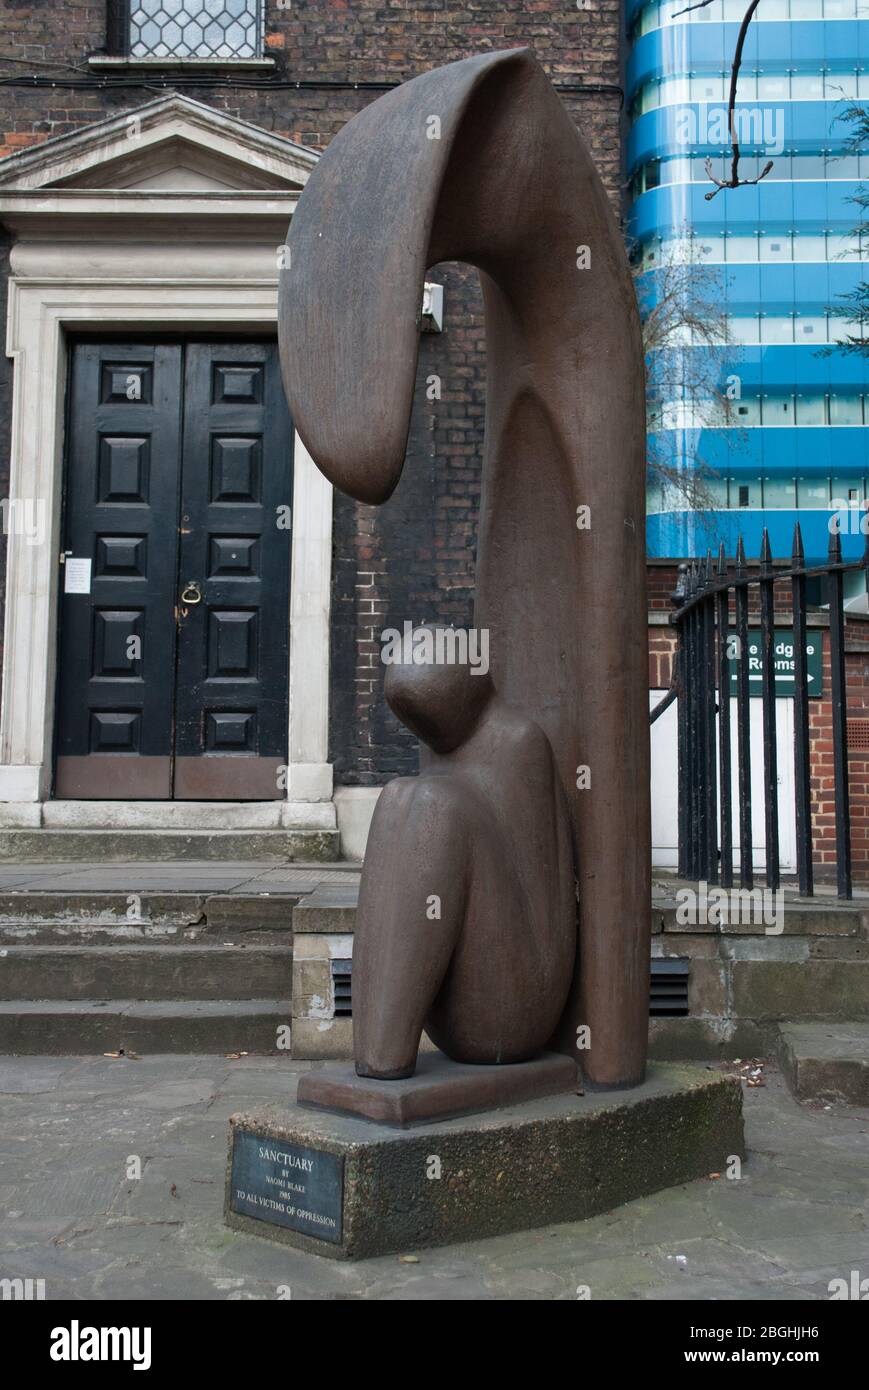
467,913
479,162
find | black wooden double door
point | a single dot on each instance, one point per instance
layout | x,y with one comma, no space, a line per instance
174,623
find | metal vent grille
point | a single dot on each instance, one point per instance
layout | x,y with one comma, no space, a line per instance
858,735
195,28
342,991
668,996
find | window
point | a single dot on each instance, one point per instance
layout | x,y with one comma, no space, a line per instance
776,328
774,86
648,19
840,84
809,247
707,88
776,247
810,328
179,29
846,410
813,492
811,410
741,248
808,166
779,492
747,494
807,86
777,411
709,248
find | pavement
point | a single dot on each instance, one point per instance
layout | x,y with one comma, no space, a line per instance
180,876
244,877
73,1128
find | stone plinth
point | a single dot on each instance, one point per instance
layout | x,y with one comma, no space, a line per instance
438,1090
350,1188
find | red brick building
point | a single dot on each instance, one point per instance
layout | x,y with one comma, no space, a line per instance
150,158
153,158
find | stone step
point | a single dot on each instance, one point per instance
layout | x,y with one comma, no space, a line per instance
826,1061
46,918
146,972
75,1027
131,846
745,916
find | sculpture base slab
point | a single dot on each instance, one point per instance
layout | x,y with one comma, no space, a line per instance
347,1188
440,1089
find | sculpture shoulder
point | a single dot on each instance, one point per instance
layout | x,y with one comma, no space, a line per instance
429,794
523,735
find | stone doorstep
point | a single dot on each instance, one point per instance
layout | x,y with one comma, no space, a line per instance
563,1158
826,1061
129,846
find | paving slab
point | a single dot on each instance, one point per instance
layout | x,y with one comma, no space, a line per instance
139,1239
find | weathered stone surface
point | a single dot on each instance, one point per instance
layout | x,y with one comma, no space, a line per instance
826,1061
126,846
793,1220
319,1040
747,919
555,1160
806,989
250,912
713,1039
439,1088
146,972
64,1027
329,909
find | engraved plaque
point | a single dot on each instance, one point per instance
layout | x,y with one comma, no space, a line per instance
287,1184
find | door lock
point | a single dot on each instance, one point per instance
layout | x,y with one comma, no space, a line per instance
191,593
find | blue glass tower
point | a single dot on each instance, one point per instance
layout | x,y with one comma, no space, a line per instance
796,435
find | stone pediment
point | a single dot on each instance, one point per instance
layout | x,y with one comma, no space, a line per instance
172,145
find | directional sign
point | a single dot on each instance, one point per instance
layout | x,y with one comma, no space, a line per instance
784,662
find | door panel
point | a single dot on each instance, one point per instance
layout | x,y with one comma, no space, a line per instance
124,459
173,670
231,710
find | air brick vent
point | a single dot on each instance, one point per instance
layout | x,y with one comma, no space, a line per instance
668,997
342,971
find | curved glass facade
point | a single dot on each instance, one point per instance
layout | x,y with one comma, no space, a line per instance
794,442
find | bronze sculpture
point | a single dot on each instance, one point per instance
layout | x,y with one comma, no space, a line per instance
478,161
475,937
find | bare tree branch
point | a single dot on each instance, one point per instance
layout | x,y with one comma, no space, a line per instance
734,181
701,5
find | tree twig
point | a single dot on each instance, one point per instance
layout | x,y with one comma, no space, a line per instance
734,181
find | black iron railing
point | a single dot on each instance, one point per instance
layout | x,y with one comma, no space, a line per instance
713,643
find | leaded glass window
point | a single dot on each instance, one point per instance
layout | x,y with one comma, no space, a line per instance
194,28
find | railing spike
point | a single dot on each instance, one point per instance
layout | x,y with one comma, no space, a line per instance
740,557
722,561
797,552
765,551
834,550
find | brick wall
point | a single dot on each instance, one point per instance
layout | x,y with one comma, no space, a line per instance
414,557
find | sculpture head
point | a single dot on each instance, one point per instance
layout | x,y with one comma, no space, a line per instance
438,699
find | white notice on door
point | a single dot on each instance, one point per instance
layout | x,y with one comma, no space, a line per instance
77,575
